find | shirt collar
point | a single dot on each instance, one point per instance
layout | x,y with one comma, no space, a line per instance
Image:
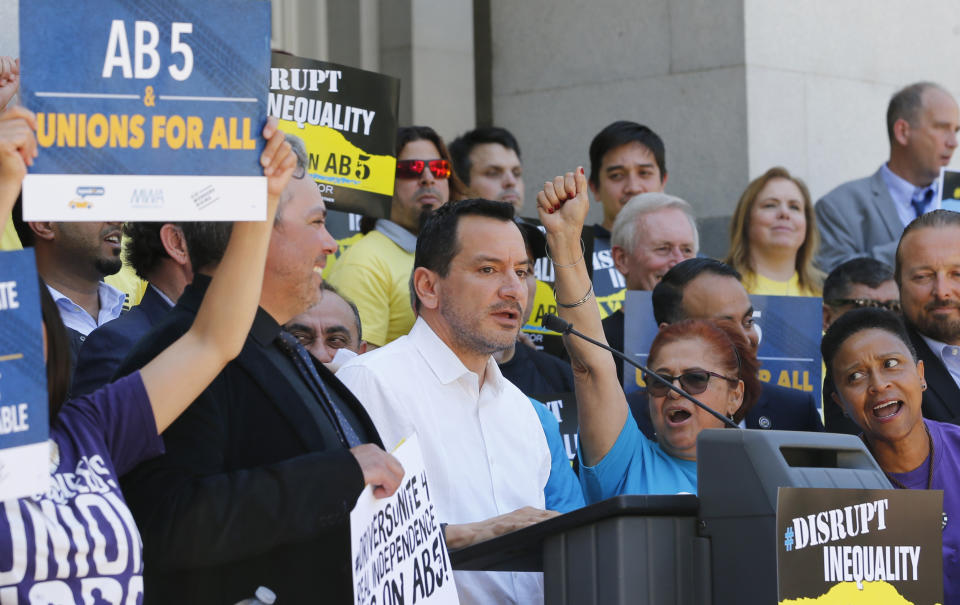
397,234
945,352
903,191
163,296
444,363
110,298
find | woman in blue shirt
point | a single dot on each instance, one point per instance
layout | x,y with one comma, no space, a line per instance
710,360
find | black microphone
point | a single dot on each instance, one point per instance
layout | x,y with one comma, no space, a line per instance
552,322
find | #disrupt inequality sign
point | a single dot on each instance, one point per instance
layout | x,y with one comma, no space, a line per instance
24,428
850,546
347,118
397,550
146,111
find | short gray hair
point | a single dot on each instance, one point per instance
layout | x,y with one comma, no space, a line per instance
624,232
299,149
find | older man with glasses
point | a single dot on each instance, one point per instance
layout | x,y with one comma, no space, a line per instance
375,272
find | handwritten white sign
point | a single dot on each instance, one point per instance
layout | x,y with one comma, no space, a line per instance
397,548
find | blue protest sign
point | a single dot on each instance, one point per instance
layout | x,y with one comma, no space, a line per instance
24,428
789,327
146,111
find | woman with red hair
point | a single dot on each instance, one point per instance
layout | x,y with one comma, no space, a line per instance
710,360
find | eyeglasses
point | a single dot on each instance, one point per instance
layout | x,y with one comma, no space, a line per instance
859,303
694,382
412,169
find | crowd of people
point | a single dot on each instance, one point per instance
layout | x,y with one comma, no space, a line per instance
279,392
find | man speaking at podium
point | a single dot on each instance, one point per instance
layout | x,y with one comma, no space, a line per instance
484,448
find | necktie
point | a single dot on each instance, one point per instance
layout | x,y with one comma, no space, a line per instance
921,200
308,371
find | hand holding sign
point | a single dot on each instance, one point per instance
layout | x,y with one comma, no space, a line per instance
380,469
9,79
18,147
277,160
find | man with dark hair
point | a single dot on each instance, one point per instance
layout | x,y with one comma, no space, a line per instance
163,255
928,272
866,217
483,444
626,159
261,471
73,259
330,330
487,160
374,272
704,288
855,284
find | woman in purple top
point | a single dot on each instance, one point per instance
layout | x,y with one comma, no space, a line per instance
879,384
77,542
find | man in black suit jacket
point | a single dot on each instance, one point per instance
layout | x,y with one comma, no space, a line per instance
927,261
704,288
261,471
163,255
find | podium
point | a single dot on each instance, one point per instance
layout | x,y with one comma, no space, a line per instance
715,548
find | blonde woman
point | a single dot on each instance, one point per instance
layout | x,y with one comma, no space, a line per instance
773,237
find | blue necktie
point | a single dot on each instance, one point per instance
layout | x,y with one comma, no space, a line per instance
921,200
289,344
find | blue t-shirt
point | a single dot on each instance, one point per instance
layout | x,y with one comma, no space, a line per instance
78,543
946,476
562,492
636,465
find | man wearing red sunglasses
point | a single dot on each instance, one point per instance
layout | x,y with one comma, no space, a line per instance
375,271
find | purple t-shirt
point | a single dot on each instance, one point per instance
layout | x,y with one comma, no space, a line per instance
78,543
946,476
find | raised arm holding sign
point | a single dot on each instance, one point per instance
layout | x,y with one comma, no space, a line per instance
97,438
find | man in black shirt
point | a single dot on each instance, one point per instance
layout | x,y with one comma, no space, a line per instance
626,159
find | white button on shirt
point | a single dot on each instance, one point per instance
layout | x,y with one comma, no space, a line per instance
76,317
483,447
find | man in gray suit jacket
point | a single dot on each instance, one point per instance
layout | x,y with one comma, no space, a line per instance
866,217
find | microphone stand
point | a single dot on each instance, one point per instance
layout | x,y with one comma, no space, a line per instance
552,322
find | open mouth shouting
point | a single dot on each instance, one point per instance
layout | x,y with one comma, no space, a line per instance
677,416
886,410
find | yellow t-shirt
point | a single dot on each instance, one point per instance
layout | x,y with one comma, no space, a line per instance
125,280
375,274
758,284
342,246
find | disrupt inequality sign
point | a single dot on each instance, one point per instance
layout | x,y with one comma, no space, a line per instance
854,546
347,118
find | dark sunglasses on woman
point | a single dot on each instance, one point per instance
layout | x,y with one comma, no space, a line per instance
693,382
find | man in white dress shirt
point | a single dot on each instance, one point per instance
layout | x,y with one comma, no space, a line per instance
484,448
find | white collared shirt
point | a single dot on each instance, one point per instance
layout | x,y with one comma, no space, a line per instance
76,317
948,354
902,192
483,447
